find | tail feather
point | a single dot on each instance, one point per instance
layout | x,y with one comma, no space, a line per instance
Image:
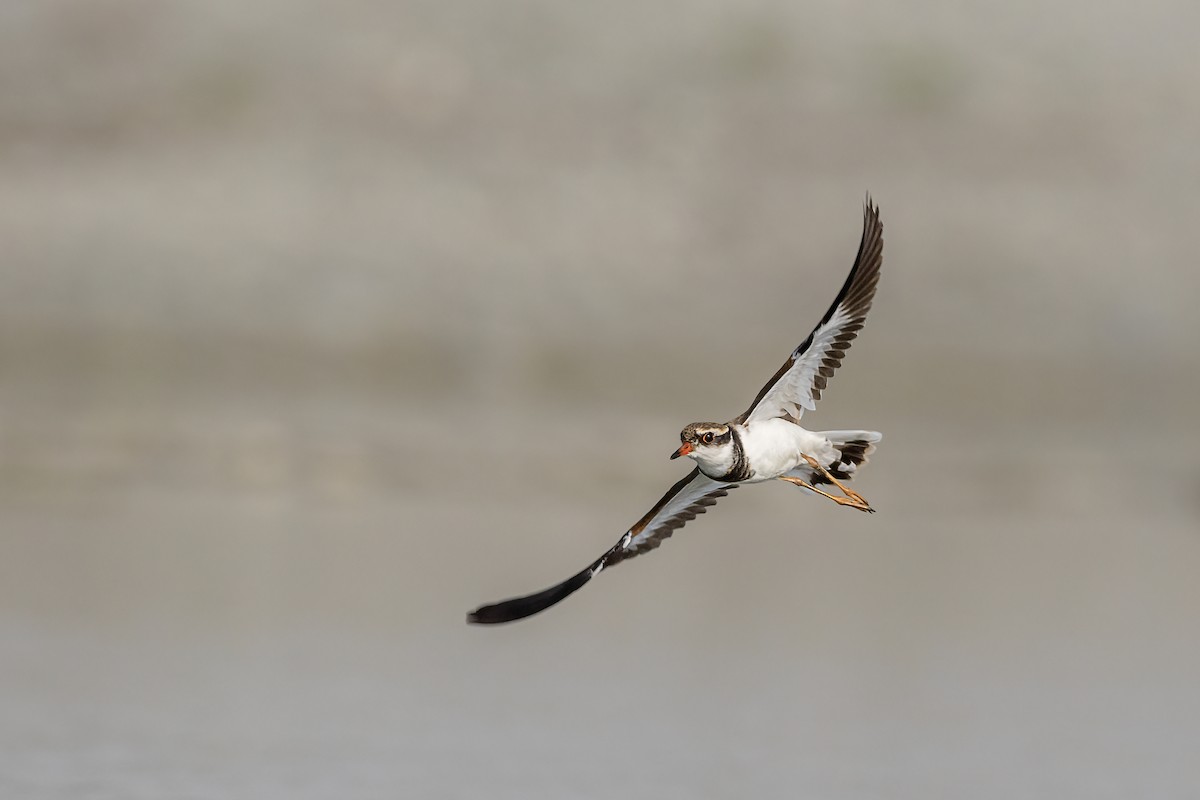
853,449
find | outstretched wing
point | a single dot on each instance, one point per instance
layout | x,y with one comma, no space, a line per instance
682,503
798,383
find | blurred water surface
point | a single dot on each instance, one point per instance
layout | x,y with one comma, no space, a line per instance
319,328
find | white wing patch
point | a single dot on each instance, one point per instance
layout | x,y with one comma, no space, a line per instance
793,393
684,502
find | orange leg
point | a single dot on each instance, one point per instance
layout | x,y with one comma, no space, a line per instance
853,495
854,502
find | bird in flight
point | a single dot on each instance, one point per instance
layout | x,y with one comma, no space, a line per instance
764,443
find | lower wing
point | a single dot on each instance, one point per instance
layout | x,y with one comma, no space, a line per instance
682,503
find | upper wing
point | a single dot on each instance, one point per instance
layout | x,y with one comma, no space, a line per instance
798,383
682,502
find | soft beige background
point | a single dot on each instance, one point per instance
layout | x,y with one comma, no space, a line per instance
322,323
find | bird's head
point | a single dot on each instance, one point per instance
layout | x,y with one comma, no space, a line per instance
710,444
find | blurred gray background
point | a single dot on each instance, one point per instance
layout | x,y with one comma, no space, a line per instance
321,324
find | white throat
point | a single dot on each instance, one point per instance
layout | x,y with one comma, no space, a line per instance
714,460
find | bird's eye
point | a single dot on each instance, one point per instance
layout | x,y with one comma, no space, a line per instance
707,438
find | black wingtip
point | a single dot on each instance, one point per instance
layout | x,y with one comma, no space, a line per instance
521,607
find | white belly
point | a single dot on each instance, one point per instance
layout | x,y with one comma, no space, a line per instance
775,446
